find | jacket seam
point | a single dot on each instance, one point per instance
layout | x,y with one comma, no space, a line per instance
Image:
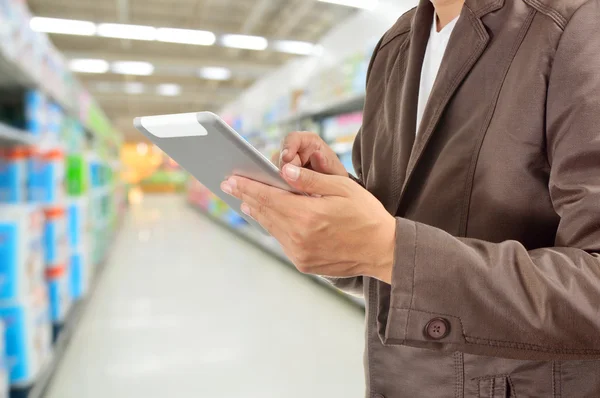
386,40
513,392
394,38
412,291
529,346
469,182
369,345
556,379
482,11
550,12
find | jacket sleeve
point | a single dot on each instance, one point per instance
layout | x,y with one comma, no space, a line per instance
540,304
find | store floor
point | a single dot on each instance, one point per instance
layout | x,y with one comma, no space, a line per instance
186,309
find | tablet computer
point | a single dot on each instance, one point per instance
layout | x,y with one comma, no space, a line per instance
204,145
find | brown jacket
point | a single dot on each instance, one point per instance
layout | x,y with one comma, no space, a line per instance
496,281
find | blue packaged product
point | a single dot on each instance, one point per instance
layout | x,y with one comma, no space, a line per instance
79,274
59,293
4,381
36,112
13,175
47,180
28,337
55,236
77,222
55,120
21,250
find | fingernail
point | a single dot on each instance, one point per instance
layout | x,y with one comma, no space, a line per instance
225,187
245,209
232,183
292,172
283,153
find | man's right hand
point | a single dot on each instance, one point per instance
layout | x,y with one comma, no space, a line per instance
308,150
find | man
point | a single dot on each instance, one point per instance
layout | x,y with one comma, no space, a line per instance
476,241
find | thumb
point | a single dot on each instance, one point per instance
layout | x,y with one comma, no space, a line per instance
314,183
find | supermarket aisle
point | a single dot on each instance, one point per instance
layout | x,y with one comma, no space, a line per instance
186,309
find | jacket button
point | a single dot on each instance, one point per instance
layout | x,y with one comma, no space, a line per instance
378,396
437,328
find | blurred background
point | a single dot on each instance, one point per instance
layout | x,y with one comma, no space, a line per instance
119,274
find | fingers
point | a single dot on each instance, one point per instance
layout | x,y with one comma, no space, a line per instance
269,198
276,159
299,146
315,183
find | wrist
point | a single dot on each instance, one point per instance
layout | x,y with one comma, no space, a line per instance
383,266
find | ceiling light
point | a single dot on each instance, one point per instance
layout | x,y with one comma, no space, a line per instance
245,42
134,88
215,73
62,26
132,68
364,4
186,36
168,90
294,47
88,65
132,32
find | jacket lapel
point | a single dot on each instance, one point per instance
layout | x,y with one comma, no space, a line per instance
467,43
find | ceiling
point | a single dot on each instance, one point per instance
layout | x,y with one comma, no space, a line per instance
300,20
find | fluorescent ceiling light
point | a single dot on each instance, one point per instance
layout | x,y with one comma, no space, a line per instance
134,88
62,26
245,42
132,68
294,47
364,4
169,90
186,36
132,32
88,65
215,73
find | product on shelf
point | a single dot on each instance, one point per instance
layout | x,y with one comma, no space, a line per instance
21,250
76,174
28,336
47,178
59,292
79,240
80,270
13,174
36,113
4,379
55,236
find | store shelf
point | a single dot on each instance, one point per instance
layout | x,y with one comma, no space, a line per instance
270,246
13,78
337,106
67,330
13,136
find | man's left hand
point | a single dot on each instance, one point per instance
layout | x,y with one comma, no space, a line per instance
339,230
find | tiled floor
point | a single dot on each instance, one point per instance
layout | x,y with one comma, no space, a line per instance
185,309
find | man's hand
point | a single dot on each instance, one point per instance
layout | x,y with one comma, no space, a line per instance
308,150
341,230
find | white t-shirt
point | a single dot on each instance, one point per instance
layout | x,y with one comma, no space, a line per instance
436,47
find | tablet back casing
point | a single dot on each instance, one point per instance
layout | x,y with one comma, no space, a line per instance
213,155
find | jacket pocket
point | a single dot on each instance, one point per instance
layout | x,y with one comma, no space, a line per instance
496,387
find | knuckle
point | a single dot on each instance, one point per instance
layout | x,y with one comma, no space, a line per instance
263,198
262,210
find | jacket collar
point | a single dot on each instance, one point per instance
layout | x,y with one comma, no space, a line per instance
468,42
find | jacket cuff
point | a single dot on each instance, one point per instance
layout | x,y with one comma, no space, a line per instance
400,318
356,180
